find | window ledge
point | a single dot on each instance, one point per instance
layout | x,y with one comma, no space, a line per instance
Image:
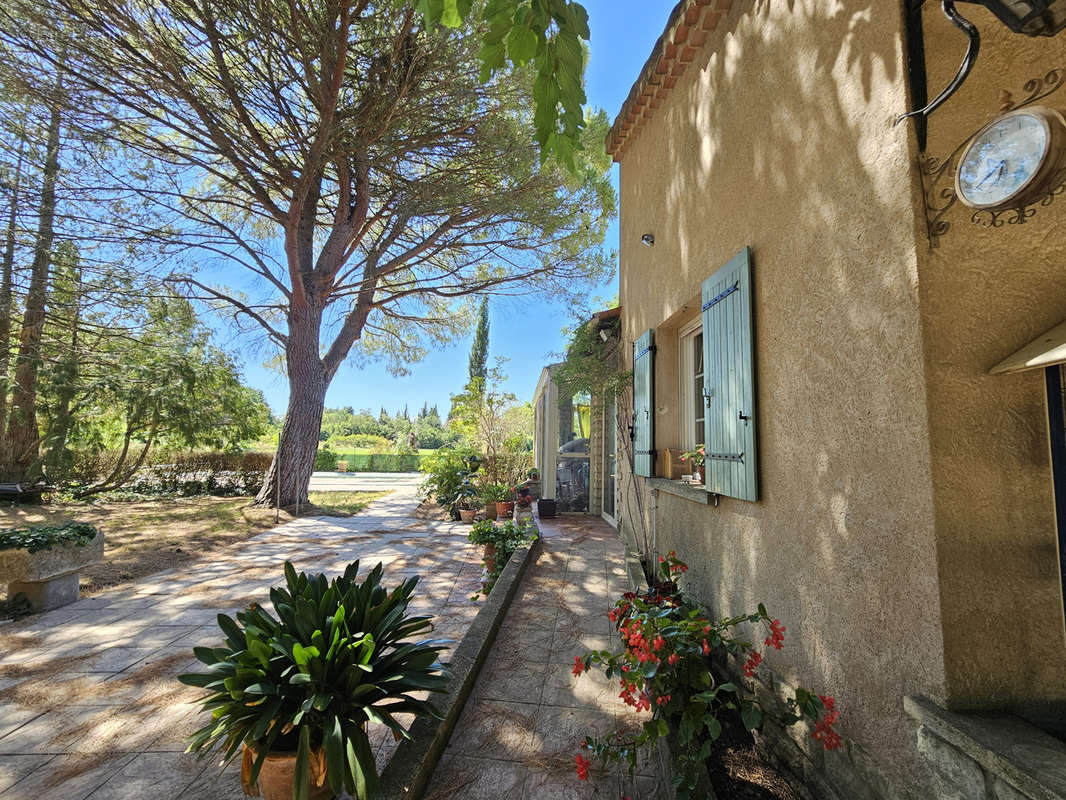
697,494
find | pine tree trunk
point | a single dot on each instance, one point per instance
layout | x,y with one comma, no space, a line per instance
6,278
21,460
58,459
308,381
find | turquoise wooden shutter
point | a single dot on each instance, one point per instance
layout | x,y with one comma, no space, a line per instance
643,399
729,381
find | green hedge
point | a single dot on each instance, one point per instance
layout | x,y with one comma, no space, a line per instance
381,462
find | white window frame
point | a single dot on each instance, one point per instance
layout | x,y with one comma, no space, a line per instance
687,433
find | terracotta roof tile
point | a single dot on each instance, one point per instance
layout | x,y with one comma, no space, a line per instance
686,31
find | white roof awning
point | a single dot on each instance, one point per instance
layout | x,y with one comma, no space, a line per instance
1046,350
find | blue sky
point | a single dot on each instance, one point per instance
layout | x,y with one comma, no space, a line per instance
526,331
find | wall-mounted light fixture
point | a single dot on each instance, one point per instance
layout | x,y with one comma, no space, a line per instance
1031,17
648,239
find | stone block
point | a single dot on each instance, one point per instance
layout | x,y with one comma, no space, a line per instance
47,594
957,776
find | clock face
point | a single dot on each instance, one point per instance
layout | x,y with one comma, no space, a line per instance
1002,160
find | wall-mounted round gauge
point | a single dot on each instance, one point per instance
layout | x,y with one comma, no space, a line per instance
1011,158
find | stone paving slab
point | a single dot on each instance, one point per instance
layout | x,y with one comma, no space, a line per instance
90,708
528,714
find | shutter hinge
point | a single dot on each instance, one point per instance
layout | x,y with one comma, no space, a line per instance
721,296
726,456
649,349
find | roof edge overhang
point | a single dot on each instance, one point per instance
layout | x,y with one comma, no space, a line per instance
690,23
1046,350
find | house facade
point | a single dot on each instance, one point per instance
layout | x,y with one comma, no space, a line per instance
807,292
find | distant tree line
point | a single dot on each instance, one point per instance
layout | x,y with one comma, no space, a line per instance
346,428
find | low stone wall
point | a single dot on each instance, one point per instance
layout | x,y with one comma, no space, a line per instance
988,757
407,774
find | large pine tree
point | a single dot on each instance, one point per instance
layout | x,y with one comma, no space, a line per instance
343,159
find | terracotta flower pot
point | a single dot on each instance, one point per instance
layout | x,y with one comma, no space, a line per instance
490,511
489,557
504,509
275,777
467,514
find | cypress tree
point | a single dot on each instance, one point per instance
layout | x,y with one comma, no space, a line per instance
479,350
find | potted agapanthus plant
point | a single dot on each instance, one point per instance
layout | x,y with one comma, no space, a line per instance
293,691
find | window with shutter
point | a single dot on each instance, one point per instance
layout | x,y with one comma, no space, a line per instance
643,398
731,467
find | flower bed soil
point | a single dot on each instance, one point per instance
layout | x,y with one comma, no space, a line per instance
739,770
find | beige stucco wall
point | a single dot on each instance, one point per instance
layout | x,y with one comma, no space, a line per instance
984,294
905,533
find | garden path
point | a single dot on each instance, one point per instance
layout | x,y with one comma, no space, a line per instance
89,703
528,714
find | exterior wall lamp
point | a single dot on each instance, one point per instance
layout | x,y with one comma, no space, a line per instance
1031,17
648,239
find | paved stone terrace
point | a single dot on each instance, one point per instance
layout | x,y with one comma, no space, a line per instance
529,714
89,704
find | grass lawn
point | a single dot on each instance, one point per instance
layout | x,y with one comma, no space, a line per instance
145,537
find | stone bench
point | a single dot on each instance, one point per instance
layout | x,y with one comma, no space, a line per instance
23,492
48,578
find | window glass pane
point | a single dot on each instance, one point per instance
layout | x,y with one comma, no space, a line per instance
697,388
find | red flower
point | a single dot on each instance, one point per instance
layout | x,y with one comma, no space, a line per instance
823,728
777,635
706,648
672,659
658,642
579,665
753,661
582,767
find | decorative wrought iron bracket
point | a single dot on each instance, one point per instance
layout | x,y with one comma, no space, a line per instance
938,174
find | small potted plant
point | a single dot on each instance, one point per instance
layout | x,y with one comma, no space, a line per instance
295,689
342,466
500,542
524,503
696,458
467,511
502,497
486,533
